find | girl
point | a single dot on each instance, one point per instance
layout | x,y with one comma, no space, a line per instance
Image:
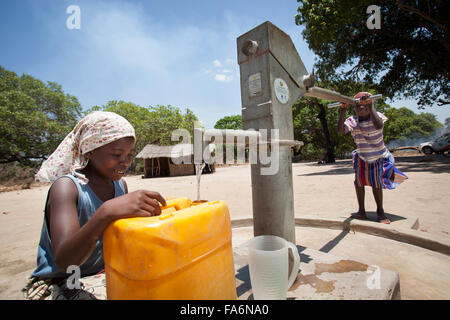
372,161
87,194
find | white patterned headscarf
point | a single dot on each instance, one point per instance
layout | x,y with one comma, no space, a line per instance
97,129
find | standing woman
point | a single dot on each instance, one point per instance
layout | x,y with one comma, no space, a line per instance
372,161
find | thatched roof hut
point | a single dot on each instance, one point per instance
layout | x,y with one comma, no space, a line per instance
165,161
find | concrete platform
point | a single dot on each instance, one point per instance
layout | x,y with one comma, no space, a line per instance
424,273
408,222
321,275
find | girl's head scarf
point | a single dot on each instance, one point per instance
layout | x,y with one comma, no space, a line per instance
95,130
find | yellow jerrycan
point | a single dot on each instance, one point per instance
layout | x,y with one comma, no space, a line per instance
183,254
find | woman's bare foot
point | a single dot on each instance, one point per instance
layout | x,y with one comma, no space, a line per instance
360,215
382,218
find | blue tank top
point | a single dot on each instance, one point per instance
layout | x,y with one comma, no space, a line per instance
87,205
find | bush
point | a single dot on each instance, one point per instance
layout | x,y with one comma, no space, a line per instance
17,174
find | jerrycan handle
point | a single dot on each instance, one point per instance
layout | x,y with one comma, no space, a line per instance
296,265
170,207
167,211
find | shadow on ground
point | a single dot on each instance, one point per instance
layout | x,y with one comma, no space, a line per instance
371,216
432,163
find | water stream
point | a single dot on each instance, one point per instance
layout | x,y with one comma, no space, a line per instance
198,172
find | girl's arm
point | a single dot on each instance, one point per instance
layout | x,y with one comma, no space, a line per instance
341,127
376,120
72,244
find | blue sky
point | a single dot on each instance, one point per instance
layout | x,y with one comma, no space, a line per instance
181,53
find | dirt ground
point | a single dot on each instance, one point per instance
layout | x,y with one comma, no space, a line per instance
324,190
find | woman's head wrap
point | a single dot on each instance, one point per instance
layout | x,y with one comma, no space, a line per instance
95,130
362,94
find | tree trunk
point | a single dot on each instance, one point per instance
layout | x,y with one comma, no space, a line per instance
329,157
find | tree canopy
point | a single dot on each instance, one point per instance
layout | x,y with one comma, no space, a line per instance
405,127
406,57
230,122
447,122
34,117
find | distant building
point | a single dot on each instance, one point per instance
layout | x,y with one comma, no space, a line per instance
170,161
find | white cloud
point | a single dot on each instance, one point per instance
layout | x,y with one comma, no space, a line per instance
129,56
125,53
223,78
230,61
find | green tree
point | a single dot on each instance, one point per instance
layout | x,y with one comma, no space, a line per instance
136,115
165,119
404,127
406,57
233,123
230,122
315,126
34,117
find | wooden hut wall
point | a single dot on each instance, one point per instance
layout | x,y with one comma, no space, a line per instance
152,167
147,168
182,169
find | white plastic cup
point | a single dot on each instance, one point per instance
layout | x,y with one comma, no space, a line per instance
269,264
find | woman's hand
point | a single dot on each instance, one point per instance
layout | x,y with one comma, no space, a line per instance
140,203
342,110
344,106
376,120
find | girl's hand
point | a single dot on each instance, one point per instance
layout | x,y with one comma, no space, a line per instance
344,106
140,203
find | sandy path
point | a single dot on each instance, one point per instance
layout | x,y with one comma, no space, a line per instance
322,190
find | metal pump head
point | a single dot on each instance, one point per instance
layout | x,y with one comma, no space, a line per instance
273,78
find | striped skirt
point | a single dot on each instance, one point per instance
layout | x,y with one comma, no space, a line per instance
380,174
